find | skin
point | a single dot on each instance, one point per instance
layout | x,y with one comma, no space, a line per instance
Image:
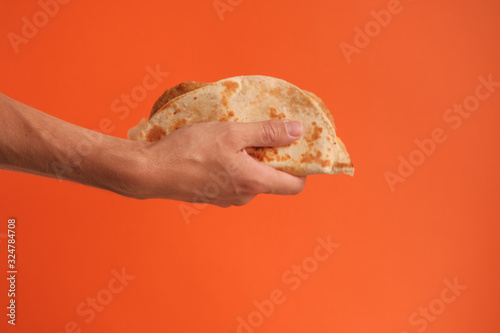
181,166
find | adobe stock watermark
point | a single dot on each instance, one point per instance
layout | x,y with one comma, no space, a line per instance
425,315
373,28
292,278
454,118
130,101
121,106
31,26
224,6
97,303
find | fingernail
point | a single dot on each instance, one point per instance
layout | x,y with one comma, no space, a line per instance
293,128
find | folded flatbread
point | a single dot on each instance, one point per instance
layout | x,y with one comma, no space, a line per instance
250,99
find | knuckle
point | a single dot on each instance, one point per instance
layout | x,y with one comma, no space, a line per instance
258,186
230,135
250,185
242,189
270,132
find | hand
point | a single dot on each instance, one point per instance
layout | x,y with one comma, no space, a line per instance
208,163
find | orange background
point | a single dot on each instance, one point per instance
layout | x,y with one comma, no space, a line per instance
396,247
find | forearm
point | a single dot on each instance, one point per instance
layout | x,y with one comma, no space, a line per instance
34,142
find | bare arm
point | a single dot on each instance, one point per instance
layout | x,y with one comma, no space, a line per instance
178,167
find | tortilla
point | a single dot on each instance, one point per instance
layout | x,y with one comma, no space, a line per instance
251,99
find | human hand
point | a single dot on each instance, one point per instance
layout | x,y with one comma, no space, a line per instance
207,162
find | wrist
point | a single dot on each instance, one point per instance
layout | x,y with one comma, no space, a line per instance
130,170
115,164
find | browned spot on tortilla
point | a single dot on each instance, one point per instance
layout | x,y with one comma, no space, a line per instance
273,113
284,157
313,134
256,152
195,98
262,154
342,165
176,108
277,92
329,149
317,133
314,123
292,144
227,117
155,134
230,88
179,124
236,119
223,101
314,158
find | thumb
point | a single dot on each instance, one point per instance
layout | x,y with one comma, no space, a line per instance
271,133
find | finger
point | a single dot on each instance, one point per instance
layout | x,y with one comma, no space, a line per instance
275,181
271,133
